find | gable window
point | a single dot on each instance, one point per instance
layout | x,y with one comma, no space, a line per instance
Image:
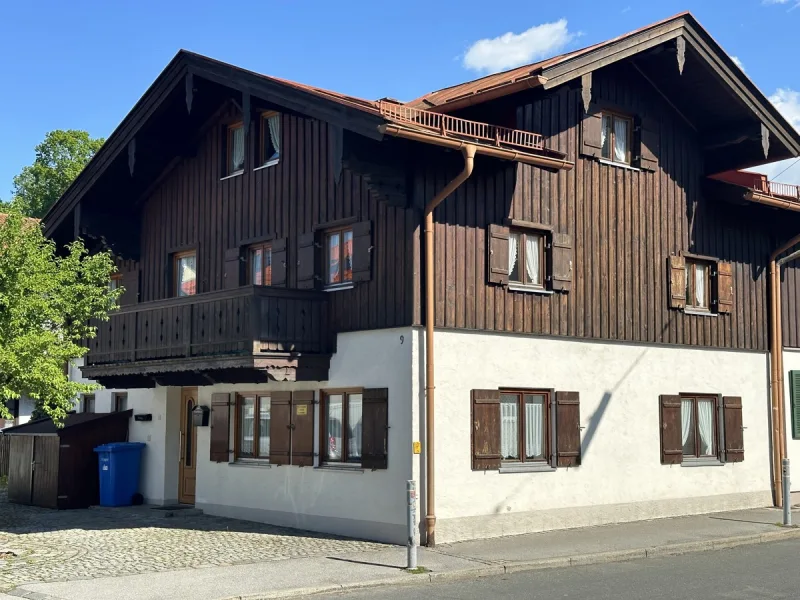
616,138
342,427
526,263
252,426
259,265
523,426
270,139
698,284
339,256
185,273
120,402
235,149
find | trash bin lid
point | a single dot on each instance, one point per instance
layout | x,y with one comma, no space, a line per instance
120,447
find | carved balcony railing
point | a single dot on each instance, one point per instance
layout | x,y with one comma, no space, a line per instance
782,190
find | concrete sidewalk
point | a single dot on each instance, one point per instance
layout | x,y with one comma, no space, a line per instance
295,577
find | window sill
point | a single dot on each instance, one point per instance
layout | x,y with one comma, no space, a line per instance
338,287
702,462
699,313
528,289
251,463
232,175
269,163
343,468
527,468
612,163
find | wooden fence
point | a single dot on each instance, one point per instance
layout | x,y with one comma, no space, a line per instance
5,448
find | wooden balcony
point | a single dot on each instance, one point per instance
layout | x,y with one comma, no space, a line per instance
249,334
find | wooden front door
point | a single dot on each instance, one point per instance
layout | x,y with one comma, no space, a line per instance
188,461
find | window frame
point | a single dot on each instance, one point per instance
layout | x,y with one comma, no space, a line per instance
326,235
323,427
715,399
544,244
237,408
176,272
115,282
628,162
88,400
546,423
264,134
263,246
691,264
229,129
118,398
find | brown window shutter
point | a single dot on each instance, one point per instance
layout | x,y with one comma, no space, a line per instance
306,261
233,268
568,428
734,434
130,281
671,441
280,433
648,143
279,262
362,251
302,429
562,267
677,281
498,254
485,430
724,287
592,132
375,428
220,427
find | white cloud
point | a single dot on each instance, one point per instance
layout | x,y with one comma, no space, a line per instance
774,2
788,102
738,62
626,9
514,49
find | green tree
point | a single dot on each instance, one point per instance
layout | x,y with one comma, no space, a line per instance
59,159
46,301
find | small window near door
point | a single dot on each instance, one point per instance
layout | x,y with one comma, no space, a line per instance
339,257
120,402
185,273
259,265
616,138
252,426
235,149
88,403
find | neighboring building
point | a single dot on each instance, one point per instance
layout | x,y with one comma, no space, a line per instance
21,411
601,312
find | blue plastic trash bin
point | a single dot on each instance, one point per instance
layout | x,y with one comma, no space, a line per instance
119,472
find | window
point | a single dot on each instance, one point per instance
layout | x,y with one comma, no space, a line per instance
339,256
698,284
342,427
698,426
115,281
259,265
523,426
88,403
270,138
526,258
120,402
252,426
235,149
615,138
185,269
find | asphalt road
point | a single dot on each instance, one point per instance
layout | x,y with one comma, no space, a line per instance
760,572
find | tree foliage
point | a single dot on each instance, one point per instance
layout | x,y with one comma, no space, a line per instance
59,159
46,302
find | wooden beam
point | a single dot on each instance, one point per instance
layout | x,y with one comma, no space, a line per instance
663,95
732,134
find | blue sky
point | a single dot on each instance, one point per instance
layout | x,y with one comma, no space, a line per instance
83,64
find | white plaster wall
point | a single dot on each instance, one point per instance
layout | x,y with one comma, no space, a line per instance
369,504
791,362
621,477
26,406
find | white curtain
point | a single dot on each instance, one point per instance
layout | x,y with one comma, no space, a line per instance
275,134
509,438
263,426
604,133
513,243
334,427
354,412
700,284
705,424
247,426
534,427
687,426
532,258
620,140
238,149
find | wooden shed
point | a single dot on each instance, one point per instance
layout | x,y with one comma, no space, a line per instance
57,468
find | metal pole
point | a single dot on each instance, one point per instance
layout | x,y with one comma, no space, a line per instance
411,514
787,494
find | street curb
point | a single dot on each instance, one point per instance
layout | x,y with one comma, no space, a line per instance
535,565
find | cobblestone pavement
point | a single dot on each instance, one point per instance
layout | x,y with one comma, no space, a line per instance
79,544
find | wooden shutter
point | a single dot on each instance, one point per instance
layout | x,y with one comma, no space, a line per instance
734,434
485,430
130,281
720,428
671,428
280,422
498,254
362,251
592,132
302,429
220,427
724,287
648,141
677,281
794,392
306,261
568,428
233,268
279,262
562,269
375,428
